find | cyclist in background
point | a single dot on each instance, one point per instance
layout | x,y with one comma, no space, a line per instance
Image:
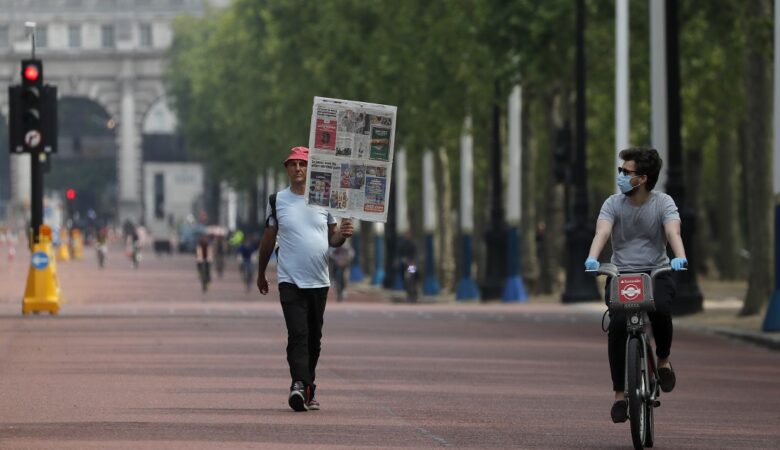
134,244
639,222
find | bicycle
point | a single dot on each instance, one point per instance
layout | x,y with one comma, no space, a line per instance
135,254
633,294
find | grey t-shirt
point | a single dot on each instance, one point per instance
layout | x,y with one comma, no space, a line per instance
638,236
303,241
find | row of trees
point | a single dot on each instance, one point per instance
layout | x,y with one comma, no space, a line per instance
243,79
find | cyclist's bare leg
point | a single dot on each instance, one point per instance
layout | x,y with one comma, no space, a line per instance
620,395
664,362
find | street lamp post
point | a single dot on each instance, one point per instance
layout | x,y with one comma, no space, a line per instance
378,276
391,247
580,286
356,274
467,287
772,318
689,298
495,236
431,282
514,289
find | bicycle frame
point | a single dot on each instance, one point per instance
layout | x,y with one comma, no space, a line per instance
635,322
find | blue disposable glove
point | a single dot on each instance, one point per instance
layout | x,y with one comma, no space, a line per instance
679,263
591,263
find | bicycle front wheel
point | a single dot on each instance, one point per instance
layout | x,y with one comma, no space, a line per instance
636,390
649,426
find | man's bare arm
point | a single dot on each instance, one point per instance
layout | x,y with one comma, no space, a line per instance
267,244
337,236
674,238
603,231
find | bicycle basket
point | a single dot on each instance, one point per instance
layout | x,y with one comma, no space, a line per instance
632,292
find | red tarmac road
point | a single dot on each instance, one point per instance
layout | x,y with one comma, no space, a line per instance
142,360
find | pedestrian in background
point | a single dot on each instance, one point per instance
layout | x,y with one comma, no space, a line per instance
339,258
304,236
247,248
203,258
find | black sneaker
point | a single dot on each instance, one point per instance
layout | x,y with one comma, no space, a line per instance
297,399
312,404
666,378
619,411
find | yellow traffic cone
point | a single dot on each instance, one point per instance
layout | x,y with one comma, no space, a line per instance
43,291
64,247
78,244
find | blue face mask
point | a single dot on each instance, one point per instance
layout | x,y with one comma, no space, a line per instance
624,183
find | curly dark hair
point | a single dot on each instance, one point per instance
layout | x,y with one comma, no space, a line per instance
647,161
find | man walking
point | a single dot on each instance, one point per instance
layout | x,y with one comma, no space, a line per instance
304,235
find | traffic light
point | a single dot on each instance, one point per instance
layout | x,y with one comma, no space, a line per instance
70,194
32,104
32,111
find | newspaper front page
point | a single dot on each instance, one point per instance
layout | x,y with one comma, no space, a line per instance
351,158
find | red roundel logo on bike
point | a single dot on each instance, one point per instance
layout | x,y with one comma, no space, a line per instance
630,289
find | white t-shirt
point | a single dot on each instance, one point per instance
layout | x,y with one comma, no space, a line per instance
303,241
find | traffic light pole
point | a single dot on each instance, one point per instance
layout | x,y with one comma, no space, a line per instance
36,203
33,129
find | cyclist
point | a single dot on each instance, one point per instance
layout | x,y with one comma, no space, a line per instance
134,250
640,222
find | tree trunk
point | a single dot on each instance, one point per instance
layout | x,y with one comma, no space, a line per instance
529,262
551,230
446,224
757,164
212,196
727,260
703,236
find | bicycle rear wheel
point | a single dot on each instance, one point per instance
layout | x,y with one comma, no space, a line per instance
637,408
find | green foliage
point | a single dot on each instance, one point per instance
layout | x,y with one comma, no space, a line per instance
243,80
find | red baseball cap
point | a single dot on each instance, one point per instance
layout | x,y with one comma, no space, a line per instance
299,153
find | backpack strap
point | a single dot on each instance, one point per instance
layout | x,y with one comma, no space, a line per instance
272,202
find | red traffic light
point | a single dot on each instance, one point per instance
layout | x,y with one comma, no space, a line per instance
70,194
31,72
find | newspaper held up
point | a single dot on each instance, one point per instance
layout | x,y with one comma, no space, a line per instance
351,158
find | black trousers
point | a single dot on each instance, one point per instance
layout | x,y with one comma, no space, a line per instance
303,313
664,291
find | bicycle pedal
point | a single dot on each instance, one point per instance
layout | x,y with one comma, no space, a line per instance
657,403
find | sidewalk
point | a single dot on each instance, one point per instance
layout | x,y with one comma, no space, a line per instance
722,302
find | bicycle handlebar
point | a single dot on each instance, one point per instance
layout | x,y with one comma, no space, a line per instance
611,270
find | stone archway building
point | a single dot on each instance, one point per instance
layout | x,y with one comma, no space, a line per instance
110,51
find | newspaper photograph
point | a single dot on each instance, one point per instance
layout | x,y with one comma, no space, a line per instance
351,158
